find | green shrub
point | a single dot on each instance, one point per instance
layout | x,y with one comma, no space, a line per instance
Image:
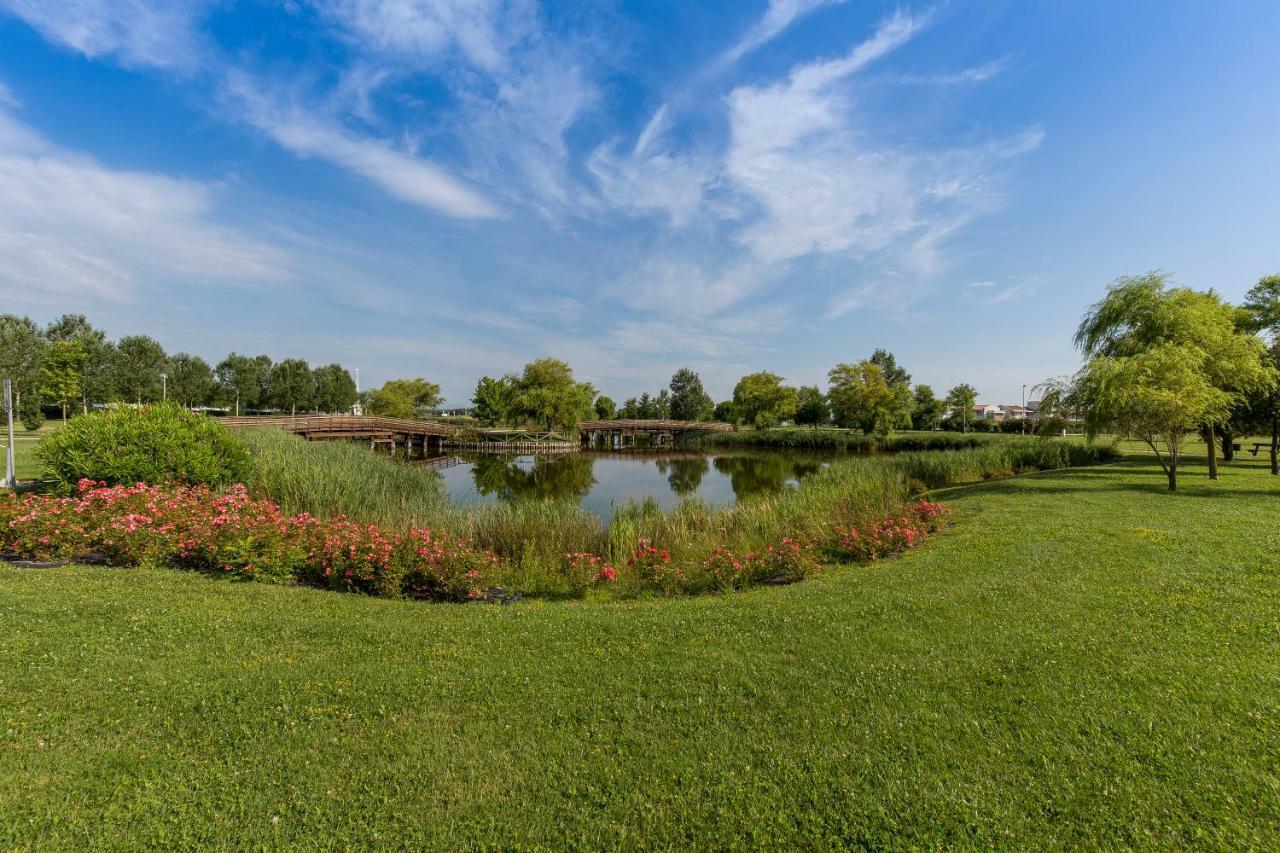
152,444
31,416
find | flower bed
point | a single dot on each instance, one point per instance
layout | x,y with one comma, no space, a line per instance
237,534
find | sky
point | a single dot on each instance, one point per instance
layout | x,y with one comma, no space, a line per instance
451,188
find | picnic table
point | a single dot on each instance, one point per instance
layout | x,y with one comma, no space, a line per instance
1258,445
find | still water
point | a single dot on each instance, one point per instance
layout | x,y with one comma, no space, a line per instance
598,480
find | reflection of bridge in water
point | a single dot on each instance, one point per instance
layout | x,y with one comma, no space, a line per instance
429,436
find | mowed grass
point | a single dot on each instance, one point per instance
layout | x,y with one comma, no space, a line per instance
24,445
1081,660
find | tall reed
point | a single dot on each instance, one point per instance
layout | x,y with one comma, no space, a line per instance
800,438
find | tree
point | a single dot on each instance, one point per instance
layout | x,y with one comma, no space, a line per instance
761,399
926,409
97,381
899,382
404,398
1262,313
495,400
191,380
645,408
291,385
1142,313
335,388
860,397
689,400
22,351
550,397
961,400
811,406
136,365
1156,395
243,380
605,408
725,412
662,405
63,366
1262,305
630,409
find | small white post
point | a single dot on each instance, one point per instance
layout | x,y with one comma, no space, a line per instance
10,466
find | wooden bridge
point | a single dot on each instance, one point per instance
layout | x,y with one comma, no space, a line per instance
388,432
432,435
622,433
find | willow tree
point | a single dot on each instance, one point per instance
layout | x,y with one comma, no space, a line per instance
1142,314
1156,395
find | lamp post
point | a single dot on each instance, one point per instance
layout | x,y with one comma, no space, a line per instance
164,387
10,468
1024,408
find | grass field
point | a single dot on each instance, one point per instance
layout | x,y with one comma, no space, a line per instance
24,446
1082,659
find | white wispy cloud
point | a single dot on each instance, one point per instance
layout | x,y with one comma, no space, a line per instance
137,33
74,227
976,74
425,32
311,135
822,183
780,15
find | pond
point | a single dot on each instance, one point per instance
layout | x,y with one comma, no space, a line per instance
598,480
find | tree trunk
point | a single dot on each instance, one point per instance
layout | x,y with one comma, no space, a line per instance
1211,445
1172,471
1275,445
64,413
1228,445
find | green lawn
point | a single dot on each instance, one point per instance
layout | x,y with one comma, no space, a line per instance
24,445
1082,660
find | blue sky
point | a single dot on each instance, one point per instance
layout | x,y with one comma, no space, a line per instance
451,188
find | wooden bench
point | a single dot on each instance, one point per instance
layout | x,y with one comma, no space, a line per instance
1258,446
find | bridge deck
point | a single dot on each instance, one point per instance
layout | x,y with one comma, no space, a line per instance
338,426
654,426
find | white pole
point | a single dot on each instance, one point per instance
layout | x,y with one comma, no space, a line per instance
10,466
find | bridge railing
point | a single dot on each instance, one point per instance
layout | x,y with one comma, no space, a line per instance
655,424
340,423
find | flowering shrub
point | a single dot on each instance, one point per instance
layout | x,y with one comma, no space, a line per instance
237,534
895,533
792,559
653,569
584,569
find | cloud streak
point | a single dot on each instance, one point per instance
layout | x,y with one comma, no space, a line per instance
73,227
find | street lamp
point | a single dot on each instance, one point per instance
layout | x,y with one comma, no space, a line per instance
164,387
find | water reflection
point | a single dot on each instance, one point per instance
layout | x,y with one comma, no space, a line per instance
598,480
513,478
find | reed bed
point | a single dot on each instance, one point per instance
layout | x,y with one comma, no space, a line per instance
799,438
532,538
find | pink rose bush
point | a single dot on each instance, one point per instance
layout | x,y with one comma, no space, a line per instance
240,535
894,534
236,534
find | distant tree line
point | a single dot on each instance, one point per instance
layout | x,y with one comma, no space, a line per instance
71,365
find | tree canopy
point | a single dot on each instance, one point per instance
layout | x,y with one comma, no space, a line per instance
762,400
404,398
689,400
811,406
1163,360
293,387
550,397
961,400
